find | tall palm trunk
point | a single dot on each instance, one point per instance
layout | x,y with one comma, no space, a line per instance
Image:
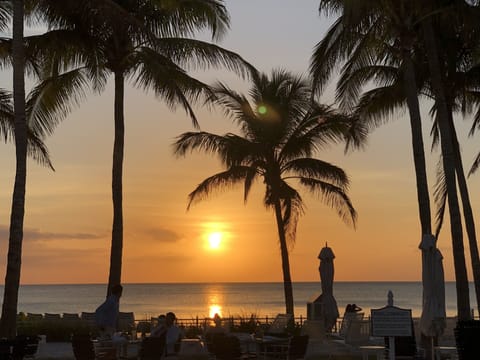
411,93
8,324
467,213
287,280
117,180
448,157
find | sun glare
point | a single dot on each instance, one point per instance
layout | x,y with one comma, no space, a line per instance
215,240
214,309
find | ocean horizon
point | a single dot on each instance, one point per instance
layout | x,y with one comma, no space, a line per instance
190,300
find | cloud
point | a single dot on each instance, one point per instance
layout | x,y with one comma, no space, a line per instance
162,235
160,259
37,234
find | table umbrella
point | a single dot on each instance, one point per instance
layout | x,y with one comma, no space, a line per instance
329,304
433,318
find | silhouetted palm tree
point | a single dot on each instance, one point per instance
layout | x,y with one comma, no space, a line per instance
12,276
380,40
281,131
27,122
148,42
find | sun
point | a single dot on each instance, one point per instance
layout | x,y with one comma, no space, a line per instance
215,240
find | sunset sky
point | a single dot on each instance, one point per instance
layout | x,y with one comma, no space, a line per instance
69,212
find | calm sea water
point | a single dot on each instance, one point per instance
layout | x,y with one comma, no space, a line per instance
235,299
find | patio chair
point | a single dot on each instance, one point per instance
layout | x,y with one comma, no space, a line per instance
358,333
24,346
34,317
347,319
294,349
126,322
279,326
51,317
88,319
105,350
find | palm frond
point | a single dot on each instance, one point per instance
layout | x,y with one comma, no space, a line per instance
195,54
6,115
332,196
37,150
318,169
168,81
379,105
219,181
440,196
52,100
292,209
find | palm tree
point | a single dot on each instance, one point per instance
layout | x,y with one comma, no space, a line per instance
281,130
28,121
12,276
448,158
382,39
148,42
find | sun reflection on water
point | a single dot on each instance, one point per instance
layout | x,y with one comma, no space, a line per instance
214,309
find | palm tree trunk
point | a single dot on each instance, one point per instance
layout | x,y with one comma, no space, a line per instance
467,213
411,93
423,197
8,324
287,280
463,299
117,180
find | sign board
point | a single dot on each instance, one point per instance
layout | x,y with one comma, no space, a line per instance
391,321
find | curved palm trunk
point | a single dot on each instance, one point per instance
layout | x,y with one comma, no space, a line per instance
467,213
117,180
287,280
463,299
8,324
417,144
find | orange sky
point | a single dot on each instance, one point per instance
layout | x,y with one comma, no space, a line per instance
69,211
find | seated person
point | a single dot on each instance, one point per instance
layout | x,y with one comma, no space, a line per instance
161,328
173,334
352,308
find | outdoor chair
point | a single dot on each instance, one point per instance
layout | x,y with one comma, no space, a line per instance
105,350
279,326
34,317
293,350
152,348
88,320
126,323
51,317
24,346
358,332
347,319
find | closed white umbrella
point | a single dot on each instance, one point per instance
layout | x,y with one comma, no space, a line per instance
433,319
329,304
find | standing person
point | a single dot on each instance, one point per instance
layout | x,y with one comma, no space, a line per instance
173,334
106,317
106,314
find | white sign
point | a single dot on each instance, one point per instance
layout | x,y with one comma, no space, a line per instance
391,321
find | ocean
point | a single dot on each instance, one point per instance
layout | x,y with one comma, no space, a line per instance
189,300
